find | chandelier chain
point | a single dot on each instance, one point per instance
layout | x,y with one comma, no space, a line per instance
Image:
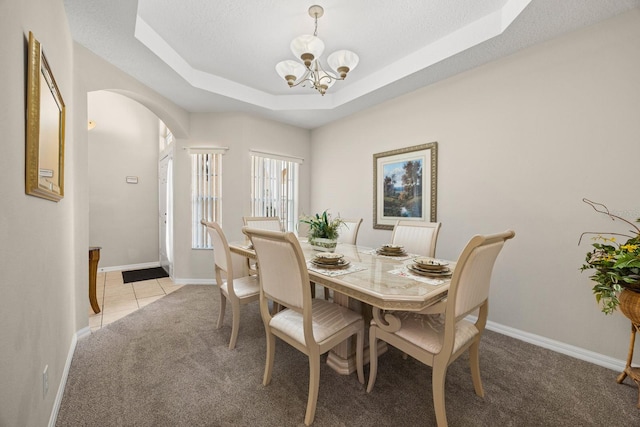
315,31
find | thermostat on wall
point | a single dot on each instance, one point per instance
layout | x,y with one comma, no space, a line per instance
132,180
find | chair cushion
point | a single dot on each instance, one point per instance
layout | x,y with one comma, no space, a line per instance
427,331
243,286
327,318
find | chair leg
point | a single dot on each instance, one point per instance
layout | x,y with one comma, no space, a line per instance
438,378
327,294
271,351
373,358
314,383
235,325
223,305
474,363
359,355
313,289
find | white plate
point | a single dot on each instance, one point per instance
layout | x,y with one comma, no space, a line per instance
430,262
392,247
329,255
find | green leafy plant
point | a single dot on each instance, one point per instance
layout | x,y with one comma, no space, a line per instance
616,265
322,225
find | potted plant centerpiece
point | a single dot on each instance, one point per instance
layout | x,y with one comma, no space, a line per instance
323,231
617,267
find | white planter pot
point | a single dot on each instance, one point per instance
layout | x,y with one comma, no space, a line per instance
322,244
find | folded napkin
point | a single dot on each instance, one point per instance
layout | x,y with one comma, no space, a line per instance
404,272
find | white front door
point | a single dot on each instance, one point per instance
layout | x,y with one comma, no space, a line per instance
165,211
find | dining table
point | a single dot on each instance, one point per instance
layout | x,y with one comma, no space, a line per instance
374,284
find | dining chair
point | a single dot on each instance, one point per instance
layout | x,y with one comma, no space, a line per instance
303,230
237,286
348,231
416,237
311,325
263,222
439,339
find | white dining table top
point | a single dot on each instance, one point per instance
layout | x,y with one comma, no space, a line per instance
381,281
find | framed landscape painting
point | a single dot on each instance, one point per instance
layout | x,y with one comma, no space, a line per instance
404,185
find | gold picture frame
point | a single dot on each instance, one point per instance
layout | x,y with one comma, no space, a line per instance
405,185
44,157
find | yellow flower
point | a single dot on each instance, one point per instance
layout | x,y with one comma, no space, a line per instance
629,248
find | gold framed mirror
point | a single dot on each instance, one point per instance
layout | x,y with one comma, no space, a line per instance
45,128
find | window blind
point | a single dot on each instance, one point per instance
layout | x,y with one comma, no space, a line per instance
274,189
206,195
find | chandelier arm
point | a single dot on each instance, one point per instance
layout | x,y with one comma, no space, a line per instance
327,74
304,78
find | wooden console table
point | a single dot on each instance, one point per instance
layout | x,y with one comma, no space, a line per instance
94,257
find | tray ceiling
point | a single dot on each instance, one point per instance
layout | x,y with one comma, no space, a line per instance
209,56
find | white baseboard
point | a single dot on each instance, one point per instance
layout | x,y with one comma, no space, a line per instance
65,373
557,346
129,267
178,281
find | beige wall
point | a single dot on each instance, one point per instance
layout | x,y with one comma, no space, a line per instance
43,244
239,132
123,218
521,141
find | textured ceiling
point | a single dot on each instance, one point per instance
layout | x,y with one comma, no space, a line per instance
220,55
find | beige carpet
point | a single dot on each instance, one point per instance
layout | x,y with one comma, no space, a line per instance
166,365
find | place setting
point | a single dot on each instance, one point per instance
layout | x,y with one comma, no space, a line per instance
332,264
330,260
391,251
430,267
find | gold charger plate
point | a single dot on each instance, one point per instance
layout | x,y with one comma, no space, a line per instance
328,258
391,250
442,269
418,271
339,265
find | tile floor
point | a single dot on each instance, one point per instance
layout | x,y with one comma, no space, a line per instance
118,299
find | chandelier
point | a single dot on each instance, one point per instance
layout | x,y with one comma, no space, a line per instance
308,49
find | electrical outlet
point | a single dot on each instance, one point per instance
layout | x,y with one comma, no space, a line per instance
45,381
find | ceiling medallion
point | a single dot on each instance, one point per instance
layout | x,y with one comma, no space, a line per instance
308,49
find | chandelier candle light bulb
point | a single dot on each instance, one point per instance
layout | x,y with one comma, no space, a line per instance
309,48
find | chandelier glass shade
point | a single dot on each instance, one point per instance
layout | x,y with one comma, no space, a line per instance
308,49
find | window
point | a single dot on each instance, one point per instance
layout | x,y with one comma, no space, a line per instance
274,187
206,191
